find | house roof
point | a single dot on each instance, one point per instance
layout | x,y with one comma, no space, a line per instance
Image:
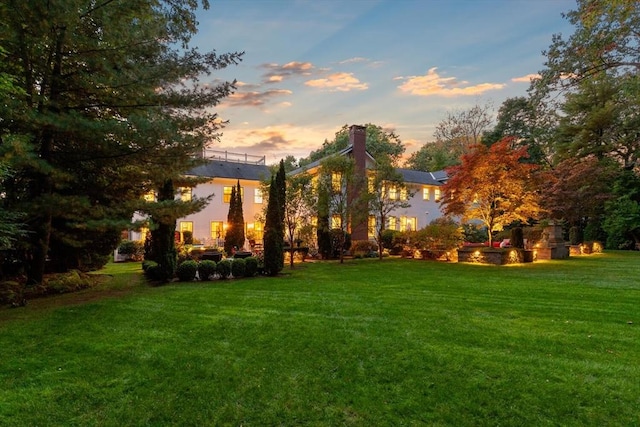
421,177
317,163
233,170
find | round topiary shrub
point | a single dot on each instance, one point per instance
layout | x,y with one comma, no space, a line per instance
206,269
250,266
238,267
186,271
224,268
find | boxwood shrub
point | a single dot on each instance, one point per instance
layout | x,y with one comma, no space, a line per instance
238,267
186,271
206,269
250,266
224,268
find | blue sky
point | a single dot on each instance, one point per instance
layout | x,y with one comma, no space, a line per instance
312,66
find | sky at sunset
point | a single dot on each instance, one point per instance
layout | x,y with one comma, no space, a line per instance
312,66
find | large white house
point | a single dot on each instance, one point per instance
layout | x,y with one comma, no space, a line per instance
223,172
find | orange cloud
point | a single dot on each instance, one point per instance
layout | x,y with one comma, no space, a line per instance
526,79
432,84
341,82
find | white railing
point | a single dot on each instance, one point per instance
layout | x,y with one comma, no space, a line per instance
233,157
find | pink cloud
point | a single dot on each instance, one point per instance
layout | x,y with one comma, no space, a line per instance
432,84
341,82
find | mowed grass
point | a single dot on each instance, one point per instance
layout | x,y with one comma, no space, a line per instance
367,343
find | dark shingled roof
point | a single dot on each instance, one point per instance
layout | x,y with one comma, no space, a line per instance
421,177
223,169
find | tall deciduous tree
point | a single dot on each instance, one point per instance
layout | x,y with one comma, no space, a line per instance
606,39
433,156
492,185
454,136
378,141
344,207
298,207
387,192
577,188
111,108
462,130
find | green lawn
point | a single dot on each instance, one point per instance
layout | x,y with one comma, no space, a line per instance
397,342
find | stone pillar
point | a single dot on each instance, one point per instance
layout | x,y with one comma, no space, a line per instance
552,245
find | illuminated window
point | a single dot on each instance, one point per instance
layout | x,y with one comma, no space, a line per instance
425,193
407,223
217,229
403,194
336,181
186,194
226,194
371,184
391,223
258,231
186,226
371,227
436,194
257,195
336,221
393,193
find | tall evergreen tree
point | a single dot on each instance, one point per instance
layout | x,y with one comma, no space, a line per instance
110,109
281,186
273,233
234,237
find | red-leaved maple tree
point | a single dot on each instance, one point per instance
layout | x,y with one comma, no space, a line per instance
494,186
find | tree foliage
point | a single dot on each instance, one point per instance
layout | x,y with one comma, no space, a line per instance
378,142
433,156
577,188
602,118
299,207
387,192
110,108
605,40
492,185
273,233
462,130
527,124
455,135
343,205
234,237
622,213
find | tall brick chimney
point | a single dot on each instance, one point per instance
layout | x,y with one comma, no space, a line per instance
358,139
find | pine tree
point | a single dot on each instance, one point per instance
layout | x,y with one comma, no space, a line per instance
98,131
